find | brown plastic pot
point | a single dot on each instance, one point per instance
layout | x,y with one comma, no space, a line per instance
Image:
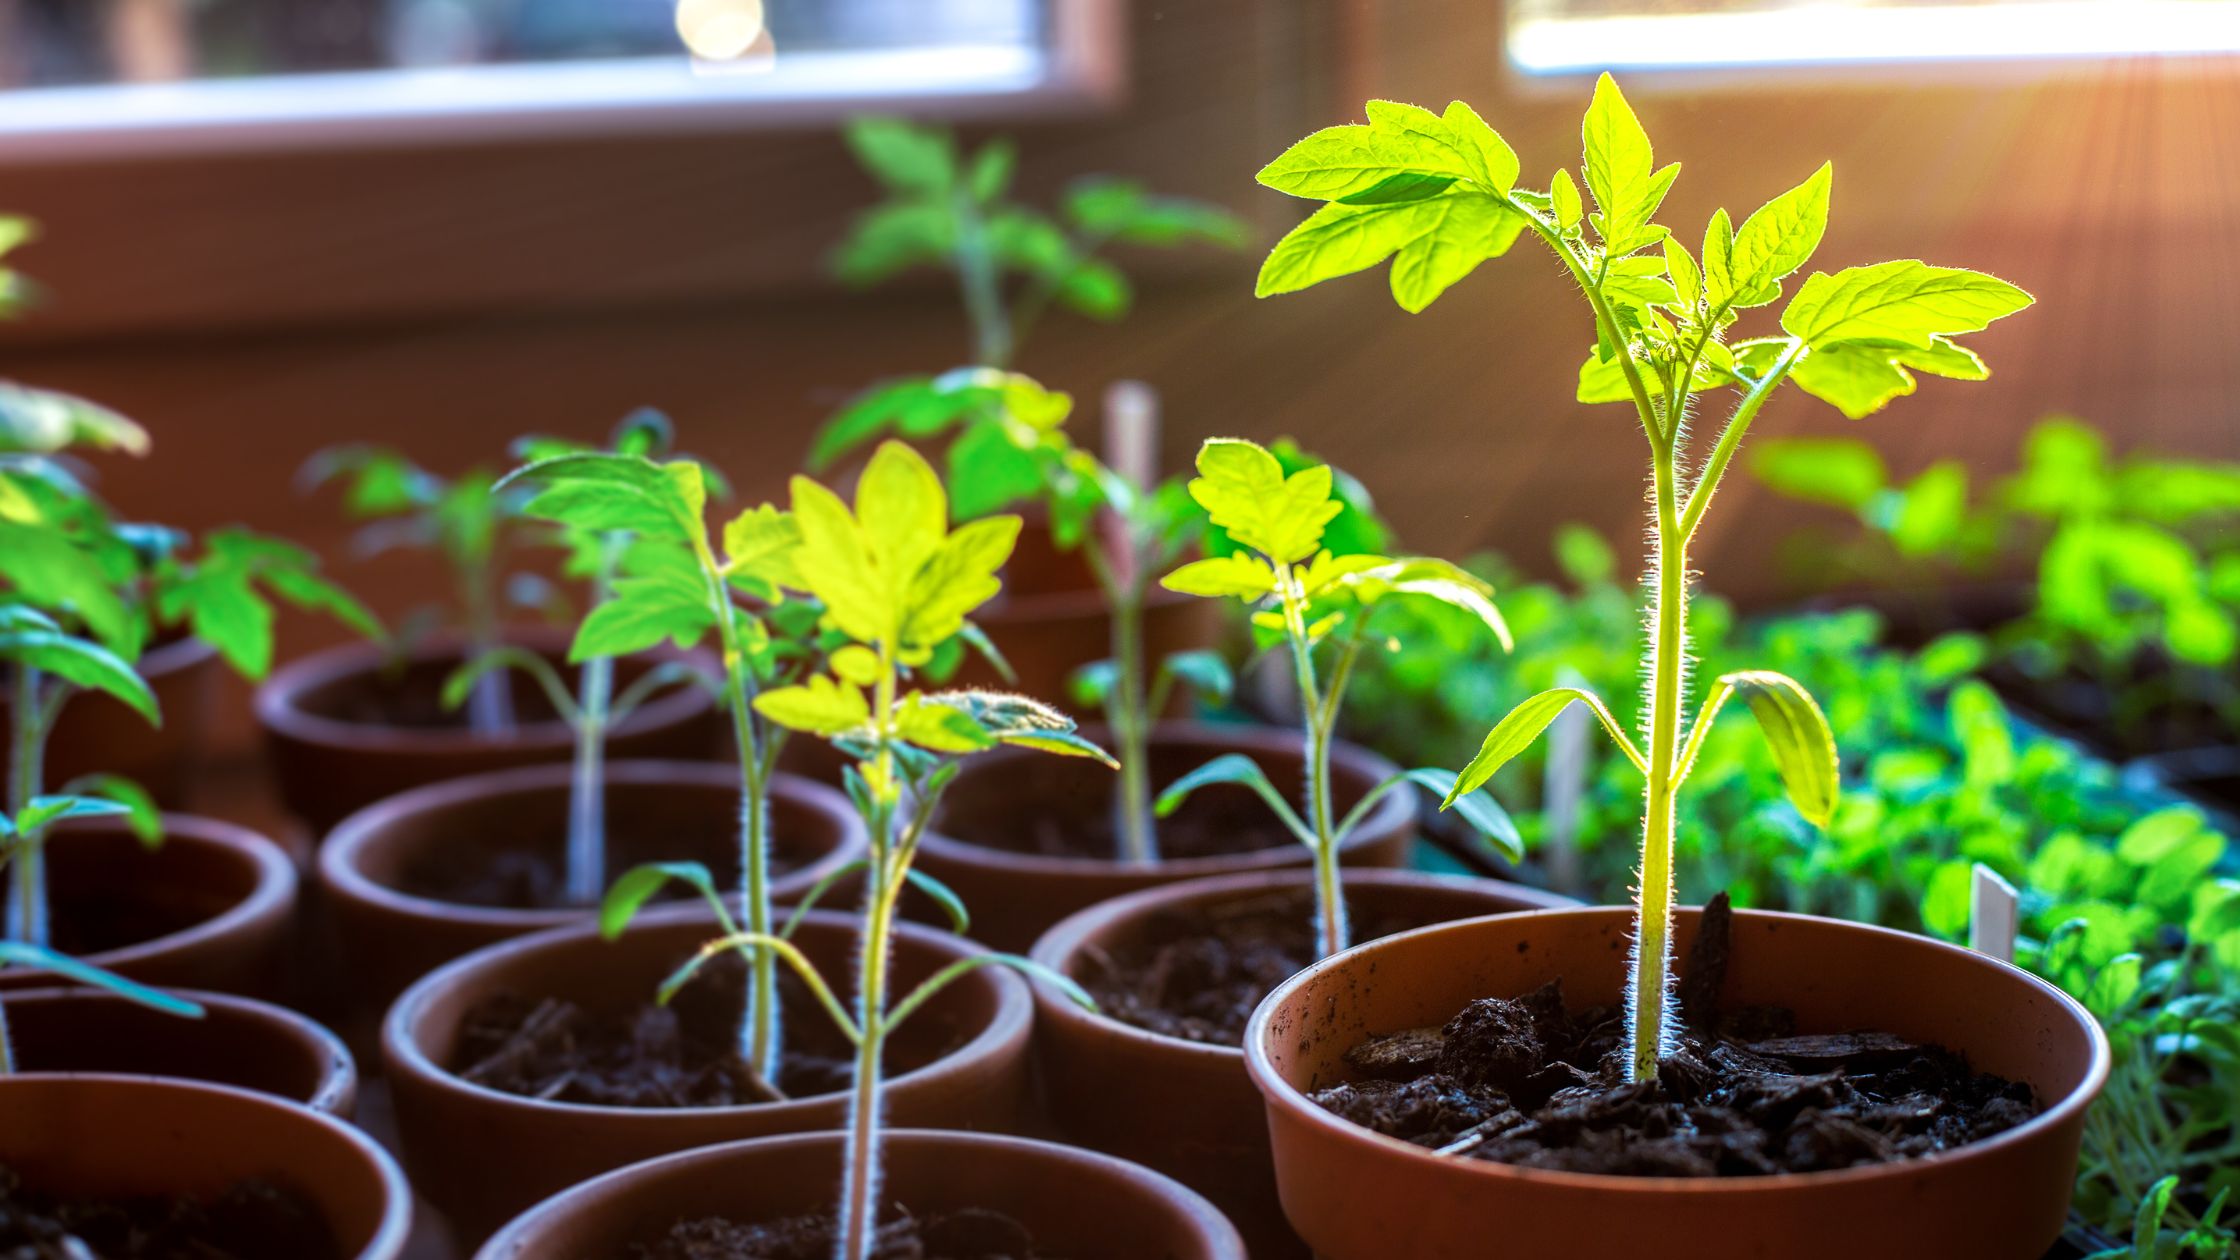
329,760
672,811
1076,1204
238,1041
481,1155
1187,1108
1050,619
1016,897
1355,1195
220,899
99,734
117,1136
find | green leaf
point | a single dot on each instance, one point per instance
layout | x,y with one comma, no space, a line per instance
664,600
1490,160
1718,261
1245,492
607,493
45,422
905,157
1514,733
1399,186
957,578
638,885
886,240
761,545
820,705
42,811
1563,195
1337,163
1948,899
1804,749
1477,808
1620,170
141,813
1932,510
939,727
80,662
1842,473
1779,238
1243,771
1433,243
836,566
1019,720
1861,377
960,918
2146,1222
1908,302
1428,577
1097,289
23,954
1239,576
989,175
50,571
1121,210
1204,672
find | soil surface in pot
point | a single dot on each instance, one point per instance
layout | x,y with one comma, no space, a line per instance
966,1234
411,696
528,872
1197,972
251,1220
680,1055
1525,1081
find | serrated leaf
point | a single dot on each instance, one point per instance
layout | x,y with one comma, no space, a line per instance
902,512
763,544
905,157
1782,235
1437,241
939,727
659,601
1340,162
1490,159
1237,576
1908,302
1245,492
79,661
835,565
957,578
1718,260
605,493
1619,164
50,571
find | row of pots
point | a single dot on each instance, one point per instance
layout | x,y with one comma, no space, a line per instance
1184,1107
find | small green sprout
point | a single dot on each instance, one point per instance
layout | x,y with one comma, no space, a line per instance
946,209
1437,194
1312,597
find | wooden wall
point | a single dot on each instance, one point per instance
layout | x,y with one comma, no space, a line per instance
253,309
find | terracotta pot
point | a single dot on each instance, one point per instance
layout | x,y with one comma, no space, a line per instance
1050,619
481,1155
127,1135
1354,1194
97,734
1187,1108
1076,1204
219,898
334,750
238,1041
1016,896
661,810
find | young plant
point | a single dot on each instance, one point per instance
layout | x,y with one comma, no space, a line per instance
1314,596
896,582
465,518
1437,193
1011,445
595,556
19,828
675,585
83,593
945,209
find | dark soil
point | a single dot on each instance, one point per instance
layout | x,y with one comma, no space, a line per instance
968,1234
1213,823
679,1055
98,921
412,696
1526,1081
1197,973
252,1220
529,872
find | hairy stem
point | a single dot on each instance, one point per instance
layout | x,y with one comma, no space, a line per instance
761,1035
1652,975
27,876
859,1191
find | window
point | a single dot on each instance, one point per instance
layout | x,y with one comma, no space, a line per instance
1558,36
102,74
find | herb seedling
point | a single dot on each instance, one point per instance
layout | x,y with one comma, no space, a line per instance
1011,444
1279,520
945,209
895,582
674,585
465,518
1437,194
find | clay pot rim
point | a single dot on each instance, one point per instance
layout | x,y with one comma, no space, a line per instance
278,709
1013,1019
173,656
274,889
389,1236
338,855
1280,1093
1210,1220
1395,812
1063,941
338,1082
